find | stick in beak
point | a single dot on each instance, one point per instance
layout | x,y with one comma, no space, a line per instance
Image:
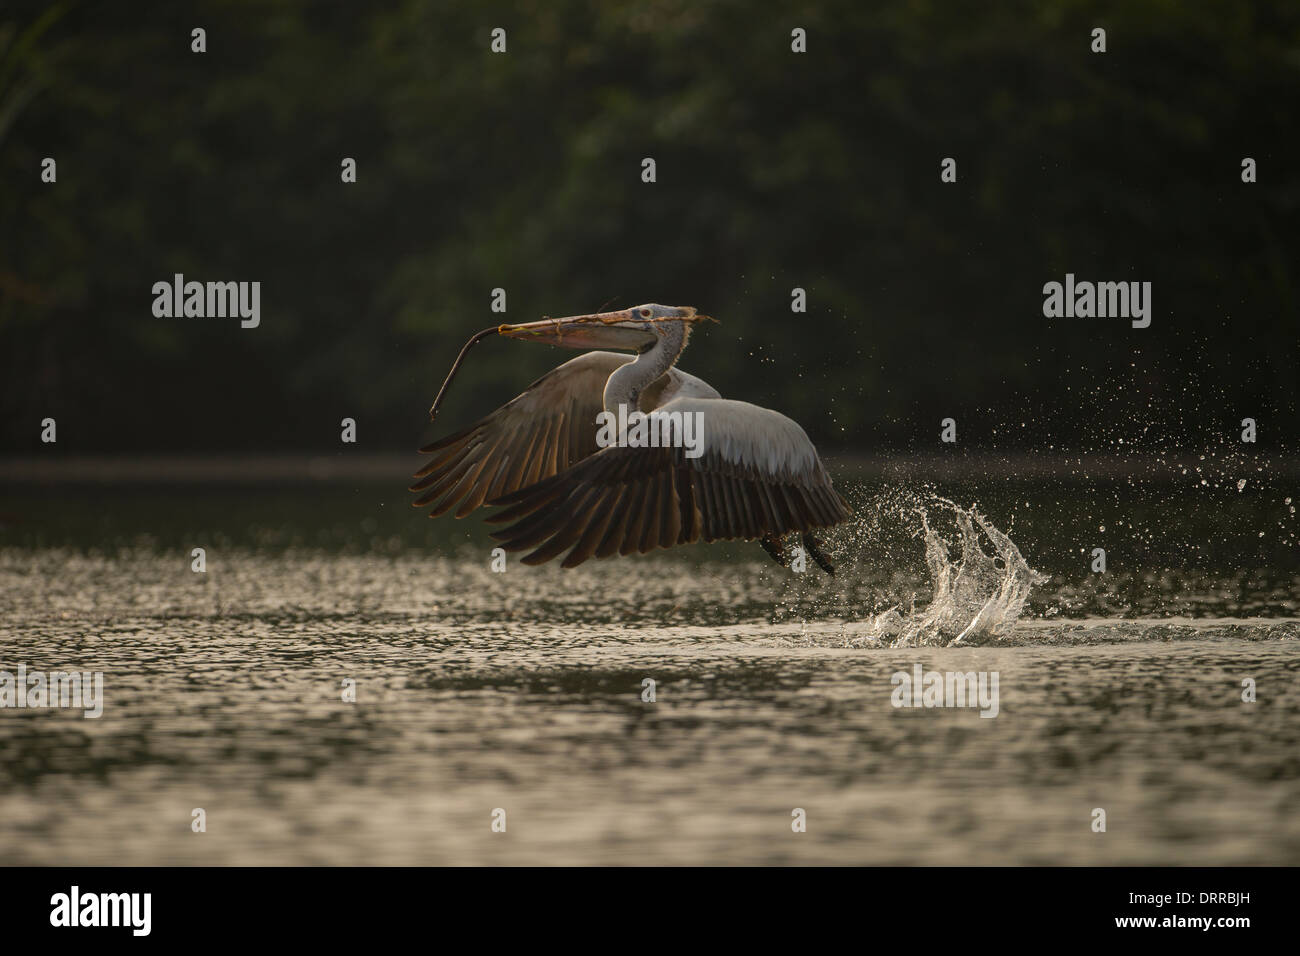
624,329
547,330
455,367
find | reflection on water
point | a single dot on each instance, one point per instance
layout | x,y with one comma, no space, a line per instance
522,691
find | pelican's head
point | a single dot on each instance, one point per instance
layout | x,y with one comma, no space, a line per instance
638,328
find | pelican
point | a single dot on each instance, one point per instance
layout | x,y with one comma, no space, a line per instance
538,457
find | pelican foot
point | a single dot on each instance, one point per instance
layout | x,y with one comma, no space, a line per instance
774,547
813,547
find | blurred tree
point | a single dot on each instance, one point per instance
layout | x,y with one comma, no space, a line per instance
521,170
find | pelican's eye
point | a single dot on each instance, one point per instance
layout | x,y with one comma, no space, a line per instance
646,313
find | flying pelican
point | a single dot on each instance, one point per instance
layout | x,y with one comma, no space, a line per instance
538,456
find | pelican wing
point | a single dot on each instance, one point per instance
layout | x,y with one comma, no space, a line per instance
758,475
547,429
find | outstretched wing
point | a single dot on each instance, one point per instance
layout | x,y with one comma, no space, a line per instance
547,429
758,475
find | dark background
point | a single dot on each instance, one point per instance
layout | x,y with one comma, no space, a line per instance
775,170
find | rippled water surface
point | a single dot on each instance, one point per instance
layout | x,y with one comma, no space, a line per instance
523,691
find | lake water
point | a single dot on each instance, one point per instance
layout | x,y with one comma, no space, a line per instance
523,691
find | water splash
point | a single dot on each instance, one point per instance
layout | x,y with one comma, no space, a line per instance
979,580
977,595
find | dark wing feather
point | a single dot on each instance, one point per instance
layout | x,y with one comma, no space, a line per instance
759,475
547,429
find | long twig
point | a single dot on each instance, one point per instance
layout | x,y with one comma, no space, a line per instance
478,337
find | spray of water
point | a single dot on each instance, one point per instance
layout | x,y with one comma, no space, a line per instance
978,579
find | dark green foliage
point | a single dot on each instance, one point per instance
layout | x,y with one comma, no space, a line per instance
522,170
